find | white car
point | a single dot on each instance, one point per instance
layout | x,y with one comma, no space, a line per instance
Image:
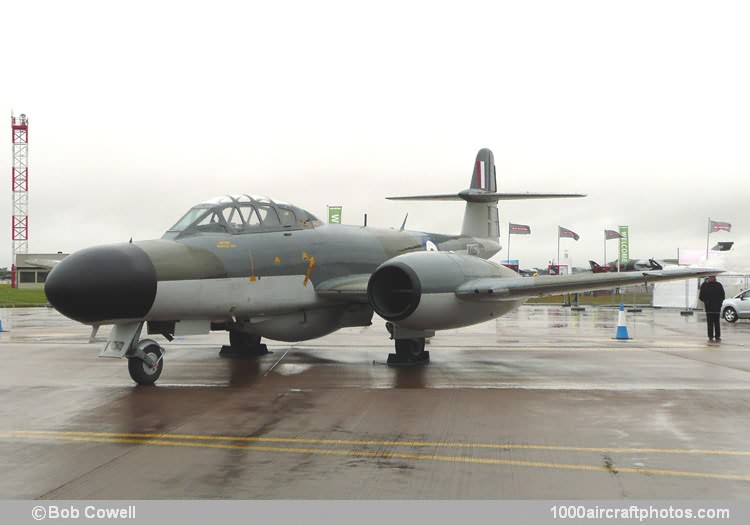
738,307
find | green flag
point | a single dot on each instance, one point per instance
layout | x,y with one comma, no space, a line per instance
334,214
624,247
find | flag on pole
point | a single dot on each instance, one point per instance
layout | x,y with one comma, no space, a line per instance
718,226
519,229
624,246
334,214
564,232
612,234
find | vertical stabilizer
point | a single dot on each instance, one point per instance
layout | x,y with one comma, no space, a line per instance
481,218
483,177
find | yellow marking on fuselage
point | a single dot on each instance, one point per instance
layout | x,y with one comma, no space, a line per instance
310,266
377,454
225,245
277,260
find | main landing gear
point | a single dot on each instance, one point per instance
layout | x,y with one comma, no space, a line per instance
146,362
242,344
409,346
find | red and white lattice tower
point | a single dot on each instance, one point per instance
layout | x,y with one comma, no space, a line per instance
20,184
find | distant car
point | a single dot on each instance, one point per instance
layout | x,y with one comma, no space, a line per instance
738,307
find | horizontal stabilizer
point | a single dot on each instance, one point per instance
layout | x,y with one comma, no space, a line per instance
481,219
483,196
447,197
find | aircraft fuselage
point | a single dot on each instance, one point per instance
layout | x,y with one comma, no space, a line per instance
266,277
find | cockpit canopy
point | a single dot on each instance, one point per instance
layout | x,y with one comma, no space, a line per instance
243,214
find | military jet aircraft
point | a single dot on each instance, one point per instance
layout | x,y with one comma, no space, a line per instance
262,268
630,266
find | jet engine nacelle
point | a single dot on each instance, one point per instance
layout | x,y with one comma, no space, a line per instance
417,290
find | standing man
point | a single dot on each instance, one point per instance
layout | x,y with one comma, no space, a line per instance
712,295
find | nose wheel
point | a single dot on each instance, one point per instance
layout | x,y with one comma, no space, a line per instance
146,363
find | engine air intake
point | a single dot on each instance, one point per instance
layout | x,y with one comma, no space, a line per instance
394,291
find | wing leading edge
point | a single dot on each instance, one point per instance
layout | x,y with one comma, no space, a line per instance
513,288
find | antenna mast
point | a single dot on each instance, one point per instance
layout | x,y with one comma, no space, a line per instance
20,185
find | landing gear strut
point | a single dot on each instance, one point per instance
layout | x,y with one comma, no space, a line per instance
146,362
409,350
242,344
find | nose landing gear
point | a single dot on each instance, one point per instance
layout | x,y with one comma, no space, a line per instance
146,362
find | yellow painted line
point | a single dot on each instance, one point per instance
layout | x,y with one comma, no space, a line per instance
390,443
384,454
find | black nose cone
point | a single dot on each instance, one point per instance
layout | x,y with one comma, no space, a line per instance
103,283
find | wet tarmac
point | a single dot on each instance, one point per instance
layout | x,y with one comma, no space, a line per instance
541,403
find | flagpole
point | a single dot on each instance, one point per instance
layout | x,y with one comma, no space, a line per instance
605,247
708,233
619,249
508,257
558,249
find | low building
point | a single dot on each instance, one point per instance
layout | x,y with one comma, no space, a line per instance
31,269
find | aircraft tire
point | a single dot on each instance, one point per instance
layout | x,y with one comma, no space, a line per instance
729,314
141,372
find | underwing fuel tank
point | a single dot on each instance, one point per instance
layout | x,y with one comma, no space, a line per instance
417,290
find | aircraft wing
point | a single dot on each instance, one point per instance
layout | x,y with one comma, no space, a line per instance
351,287
354,287
513,288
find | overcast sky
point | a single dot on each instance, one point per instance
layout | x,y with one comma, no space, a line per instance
138,110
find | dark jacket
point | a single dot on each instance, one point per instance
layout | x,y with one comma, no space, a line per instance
712,295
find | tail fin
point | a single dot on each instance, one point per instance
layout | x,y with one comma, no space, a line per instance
484,176
596,268
481,219
481,215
